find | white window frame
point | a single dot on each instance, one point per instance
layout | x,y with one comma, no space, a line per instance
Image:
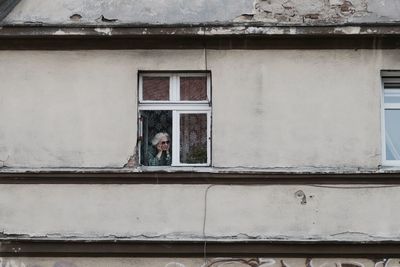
388,106
178,107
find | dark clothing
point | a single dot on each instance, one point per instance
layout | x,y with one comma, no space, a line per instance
164,160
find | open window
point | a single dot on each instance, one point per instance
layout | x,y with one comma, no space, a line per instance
391,117
175,118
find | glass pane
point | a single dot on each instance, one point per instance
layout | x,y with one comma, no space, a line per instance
392,134
193,138
157,130
155,88
193,88
392,96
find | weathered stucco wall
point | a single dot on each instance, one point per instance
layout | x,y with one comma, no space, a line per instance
271,108
200,11
77,109
196,262
193,212
326,11
128,11
297,108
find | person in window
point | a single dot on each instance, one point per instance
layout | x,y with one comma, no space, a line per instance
160,155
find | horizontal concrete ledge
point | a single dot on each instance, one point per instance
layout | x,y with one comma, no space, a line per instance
199,177
110,31
197,37
60,248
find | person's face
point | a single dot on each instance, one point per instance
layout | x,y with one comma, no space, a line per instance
164,144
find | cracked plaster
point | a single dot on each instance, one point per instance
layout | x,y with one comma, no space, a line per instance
196,212
127,11
115,12
297,11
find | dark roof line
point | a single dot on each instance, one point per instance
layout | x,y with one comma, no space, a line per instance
6,6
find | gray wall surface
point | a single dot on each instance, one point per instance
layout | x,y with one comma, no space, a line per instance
193,212
270,108
204,11
128,11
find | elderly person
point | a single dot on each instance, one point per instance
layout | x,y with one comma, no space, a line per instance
160,156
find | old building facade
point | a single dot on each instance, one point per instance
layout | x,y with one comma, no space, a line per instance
282,119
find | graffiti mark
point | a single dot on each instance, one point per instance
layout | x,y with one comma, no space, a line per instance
267,262
21,263
352,264
11,263
244,262
64,264
211,262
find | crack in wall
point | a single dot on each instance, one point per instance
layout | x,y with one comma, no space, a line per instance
3,162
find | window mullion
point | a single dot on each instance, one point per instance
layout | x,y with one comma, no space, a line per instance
208,138
175,138
208,89
171,88
174,88
140,88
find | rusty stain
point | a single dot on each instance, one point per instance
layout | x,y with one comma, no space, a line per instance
247,262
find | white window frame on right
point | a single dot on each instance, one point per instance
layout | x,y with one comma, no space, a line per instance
391,88
178,107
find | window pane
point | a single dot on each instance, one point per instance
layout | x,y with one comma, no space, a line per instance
193,88
193,138
157,130
155,88
392,134
392,96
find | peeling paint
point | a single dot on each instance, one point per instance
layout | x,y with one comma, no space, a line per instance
348,30
370,31
258,30
106,31
214,31
310,12
133,11
243,170
60,32
197,12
